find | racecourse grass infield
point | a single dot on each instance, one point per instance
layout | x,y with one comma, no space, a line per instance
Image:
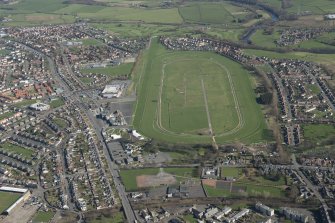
189,97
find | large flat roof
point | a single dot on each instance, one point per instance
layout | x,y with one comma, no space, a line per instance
13,189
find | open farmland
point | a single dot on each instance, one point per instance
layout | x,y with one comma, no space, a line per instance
7,199
211,13
190,96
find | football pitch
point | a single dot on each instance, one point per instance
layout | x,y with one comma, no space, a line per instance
7,199
193,97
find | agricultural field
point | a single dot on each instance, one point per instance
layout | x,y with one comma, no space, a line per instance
120,70
216,13
7,199
132,178
275,4
310,6
43,217
184,96
134,14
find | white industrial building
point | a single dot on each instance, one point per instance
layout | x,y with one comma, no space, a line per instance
112,91
40,106
330,16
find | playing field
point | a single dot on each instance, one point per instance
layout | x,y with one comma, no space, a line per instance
188,97
7,199
151,177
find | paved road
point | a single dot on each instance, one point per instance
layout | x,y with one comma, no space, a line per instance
112,166
115,172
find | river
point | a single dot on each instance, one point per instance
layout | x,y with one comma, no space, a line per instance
246,37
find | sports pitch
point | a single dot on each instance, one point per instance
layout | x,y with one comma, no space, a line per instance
7,199
190,97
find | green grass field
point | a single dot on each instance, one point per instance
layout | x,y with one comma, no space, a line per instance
326,59
7,199
171,107
116,218
25,153
121,70
43,217
61,122
255,186
318,132
56,103
25,103
316,7
6,115
230,172
216,13
133,14
129,176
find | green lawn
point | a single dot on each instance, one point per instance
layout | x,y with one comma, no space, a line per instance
251,190
86,80
6,115
60,122
24,152
43,216
56,103
230,172
4,52
91,42
25,103
189,218
129,176
317,132
172,107
314,88
120,70
116,218
7,199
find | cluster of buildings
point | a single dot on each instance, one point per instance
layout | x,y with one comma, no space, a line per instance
227,214
203,44
294,36
303,96
126,154
114,118
81,153
24,75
